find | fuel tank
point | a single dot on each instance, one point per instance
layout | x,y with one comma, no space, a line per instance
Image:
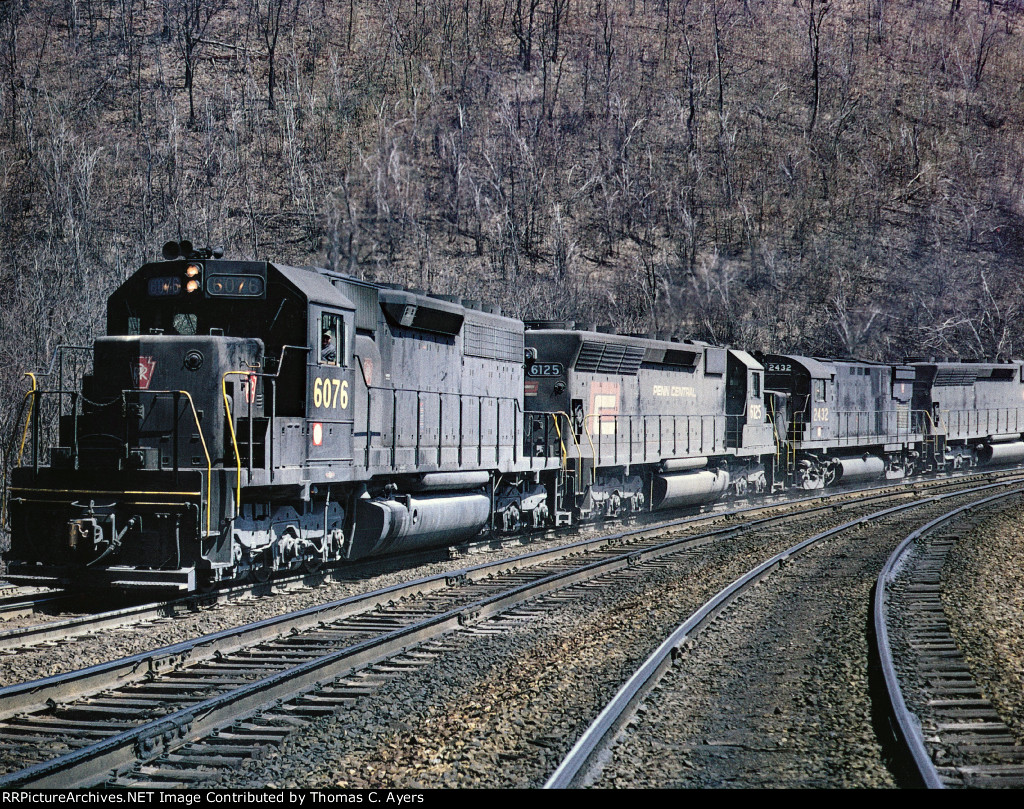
683,464
1001,453
408,523
689,488
849,470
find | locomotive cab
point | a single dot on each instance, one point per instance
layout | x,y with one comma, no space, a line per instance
748,430
205,383
809,388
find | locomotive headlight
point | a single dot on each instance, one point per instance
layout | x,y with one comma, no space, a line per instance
194,274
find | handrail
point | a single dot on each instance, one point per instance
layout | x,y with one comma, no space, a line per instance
629,417
202,440
890,419
234,437
395,393
590,438
195,416
28,418
568,423
975,417
561,440
59,350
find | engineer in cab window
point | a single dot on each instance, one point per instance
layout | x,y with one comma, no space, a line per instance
330,336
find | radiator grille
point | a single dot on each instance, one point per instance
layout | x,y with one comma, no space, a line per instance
949,377
607,358
493,342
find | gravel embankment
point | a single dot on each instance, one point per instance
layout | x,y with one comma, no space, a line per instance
502,710
23,665
776,693
983,594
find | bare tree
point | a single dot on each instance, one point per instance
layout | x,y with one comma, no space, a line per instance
524,14
816,13
272,18
188,21
10,13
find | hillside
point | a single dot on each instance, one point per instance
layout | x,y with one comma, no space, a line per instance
840,178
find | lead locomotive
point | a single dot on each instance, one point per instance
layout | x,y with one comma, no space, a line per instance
248,417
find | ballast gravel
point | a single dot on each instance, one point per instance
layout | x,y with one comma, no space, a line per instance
501,709
45,660
983,597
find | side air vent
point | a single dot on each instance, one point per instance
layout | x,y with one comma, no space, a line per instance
953,377
493,342
607,358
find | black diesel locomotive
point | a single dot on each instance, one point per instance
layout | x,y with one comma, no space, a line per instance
247,417
242,418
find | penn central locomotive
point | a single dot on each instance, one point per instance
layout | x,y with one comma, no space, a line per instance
242,418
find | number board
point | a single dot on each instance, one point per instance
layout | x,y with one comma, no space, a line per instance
330,394
540,369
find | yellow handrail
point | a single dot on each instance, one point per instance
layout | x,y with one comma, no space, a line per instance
586,429
234,437
28,417
202,440
561,440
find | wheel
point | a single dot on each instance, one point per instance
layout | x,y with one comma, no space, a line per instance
510,518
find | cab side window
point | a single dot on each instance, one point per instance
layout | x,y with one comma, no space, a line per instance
332,336
819,390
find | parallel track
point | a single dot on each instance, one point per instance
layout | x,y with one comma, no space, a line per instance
586,757
24,601
62,630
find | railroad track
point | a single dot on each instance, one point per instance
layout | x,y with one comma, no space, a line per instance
151,716
951,733
18,602
65,629
584,763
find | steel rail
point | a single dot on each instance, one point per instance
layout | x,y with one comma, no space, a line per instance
35,694
908,728
70,627
144,740
25,602
149,738
62,629
601,734
80,768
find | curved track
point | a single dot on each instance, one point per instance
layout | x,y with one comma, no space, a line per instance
117,716
951,734
591,751
24,602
